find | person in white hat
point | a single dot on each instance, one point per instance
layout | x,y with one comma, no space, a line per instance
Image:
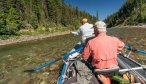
103,50
86,31
101,26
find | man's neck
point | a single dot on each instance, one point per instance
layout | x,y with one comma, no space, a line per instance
84,23
101,33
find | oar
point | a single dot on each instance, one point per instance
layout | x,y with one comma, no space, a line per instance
135,50
53,61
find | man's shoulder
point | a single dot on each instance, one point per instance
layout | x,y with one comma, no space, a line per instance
114,38
86,24
81,26
92,40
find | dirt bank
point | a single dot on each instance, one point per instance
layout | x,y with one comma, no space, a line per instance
29,38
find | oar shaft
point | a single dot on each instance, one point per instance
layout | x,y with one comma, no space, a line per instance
53,61
135,50
44,65
141,51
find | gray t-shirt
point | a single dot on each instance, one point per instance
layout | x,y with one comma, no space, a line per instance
86,30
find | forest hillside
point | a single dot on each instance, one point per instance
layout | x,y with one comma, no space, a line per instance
39,15
133,12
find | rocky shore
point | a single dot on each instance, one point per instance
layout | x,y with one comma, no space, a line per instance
24,38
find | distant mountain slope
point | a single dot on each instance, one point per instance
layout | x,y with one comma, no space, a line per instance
133,12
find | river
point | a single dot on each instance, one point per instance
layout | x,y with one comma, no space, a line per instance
16,58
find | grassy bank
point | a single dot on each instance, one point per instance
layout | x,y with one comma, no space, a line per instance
26,37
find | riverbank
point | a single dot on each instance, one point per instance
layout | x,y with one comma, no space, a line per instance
24,38
143,26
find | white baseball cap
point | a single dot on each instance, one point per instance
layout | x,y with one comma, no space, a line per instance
101,26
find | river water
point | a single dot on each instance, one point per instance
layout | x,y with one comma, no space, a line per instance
16,58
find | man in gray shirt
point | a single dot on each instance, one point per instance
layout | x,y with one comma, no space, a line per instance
86,31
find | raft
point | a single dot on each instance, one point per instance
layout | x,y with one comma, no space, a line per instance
76,71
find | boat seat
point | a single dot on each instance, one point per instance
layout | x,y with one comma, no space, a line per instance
107,72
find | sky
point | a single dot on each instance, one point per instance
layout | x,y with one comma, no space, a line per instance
104,7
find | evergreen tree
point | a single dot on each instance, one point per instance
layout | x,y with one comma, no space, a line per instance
129,14
97,16
13,19
31,14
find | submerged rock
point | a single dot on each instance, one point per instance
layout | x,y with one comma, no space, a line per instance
53,67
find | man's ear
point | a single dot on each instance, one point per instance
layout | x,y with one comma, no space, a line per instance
96,32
